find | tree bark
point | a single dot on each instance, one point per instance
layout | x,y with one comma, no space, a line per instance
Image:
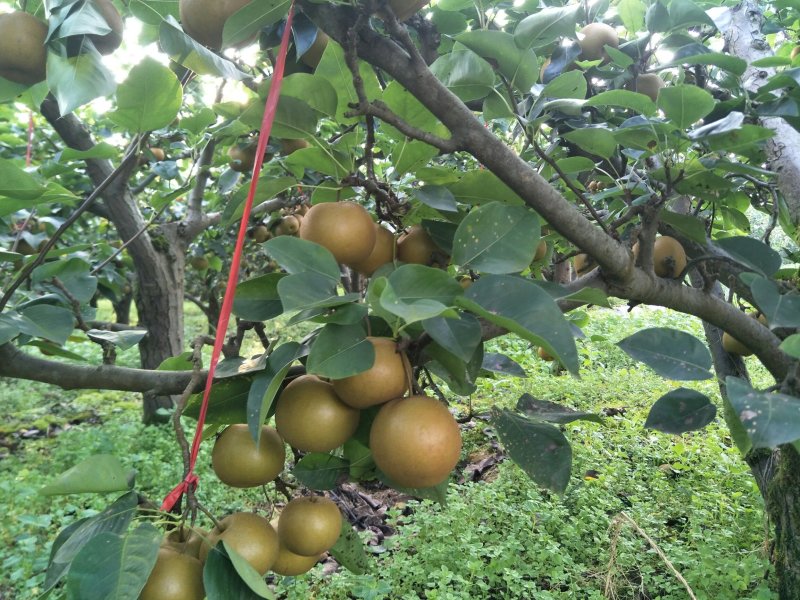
158,258
783,506
745,39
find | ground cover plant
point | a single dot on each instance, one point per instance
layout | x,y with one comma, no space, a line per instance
692,494
382,209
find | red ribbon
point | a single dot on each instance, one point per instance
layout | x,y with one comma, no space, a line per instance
191,480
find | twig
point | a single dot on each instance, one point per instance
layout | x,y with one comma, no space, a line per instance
575,190
616,527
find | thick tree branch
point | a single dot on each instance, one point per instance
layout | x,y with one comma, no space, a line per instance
17,364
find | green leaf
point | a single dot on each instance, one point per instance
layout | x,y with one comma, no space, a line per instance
459,375
436,196
626,99
459,336
416,292
517,65
122,339
692,227
115,518
781,310
333,67
571,84
340,351
525,309
497,238
679,411
594,140
495,362
770,419
540,449
685,104
751,253
684,13
300,256
148,99
194,56
670,353
76,80
699,54
407,107
246,22
252,579
545,26
257,299
304,291
632,13
349,551
153,12
227,403
98,474
552,412
73,273
268,187
314,89
409,155
266,384
464,73
482,186
791,345
111,565
53,323
17,183
221,579
319,471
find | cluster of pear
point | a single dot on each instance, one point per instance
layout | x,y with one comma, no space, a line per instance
414,441
290,544
288,224
669,258
23,55
354,239
593,39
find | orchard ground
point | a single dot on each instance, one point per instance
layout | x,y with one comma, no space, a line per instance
500,537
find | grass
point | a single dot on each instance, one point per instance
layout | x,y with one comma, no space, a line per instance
500,538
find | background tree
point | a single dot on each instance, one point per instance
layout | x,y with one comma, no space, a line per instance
480,130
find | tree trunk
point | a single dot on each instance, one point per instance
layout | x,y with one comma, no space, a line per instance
122,309
159,302
744,38
777,473
158,256
783,506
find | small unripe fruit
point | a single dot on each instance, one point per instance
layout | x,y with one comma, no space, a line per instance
238,462
199,262
289,225
261,234
541,251
309,525
544,355
313,55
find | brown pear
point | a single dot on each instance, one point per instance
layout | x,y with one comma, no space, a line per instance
23,56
